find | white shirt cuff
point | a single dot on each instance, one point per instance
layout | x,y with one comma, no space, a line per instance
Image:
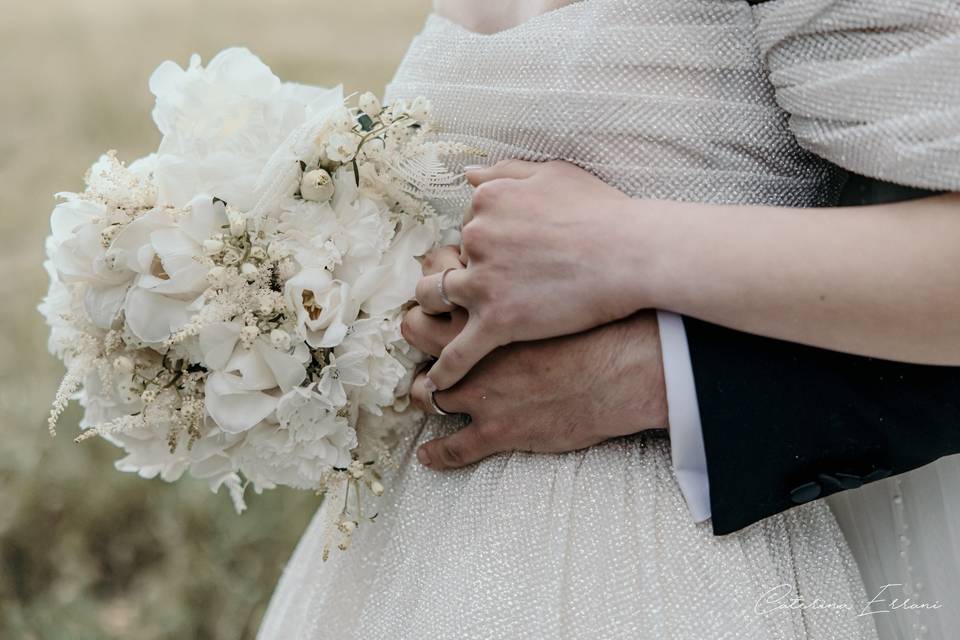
686,433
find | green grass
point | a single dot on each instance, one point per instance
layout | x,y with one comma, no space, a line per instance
88,552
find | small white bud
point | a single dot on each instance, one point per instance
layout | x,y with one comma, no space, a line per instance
317,186
238,226
280,339
249,269
420,109
376,487
248,334
108,234
113,258
356,469
370,104
212,246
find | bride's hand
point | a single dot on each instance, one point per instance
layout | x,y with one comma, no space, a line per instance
550,396
546,257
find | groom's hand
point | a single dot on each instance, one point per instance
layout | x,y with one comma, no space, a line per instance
550,396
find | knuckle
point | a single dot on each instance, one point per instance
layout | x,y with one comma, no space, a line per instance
452,455
449,252
422,290
418,396
486,195
453,355
473,235
493,433
481,284
407,329
429,261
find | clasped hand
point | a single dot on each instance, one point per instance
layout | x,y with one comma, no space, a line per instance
536,340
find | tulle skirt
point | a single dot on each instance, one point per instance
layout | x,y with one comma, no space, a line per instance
596,543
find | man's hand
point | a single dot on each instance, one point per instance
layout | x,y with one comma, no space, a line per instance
550,396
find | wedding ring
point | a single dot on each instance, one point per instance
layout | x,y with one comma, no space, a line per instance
441,290
436,407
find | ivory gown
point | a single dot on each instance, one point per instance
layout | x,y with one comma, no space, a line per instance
672,99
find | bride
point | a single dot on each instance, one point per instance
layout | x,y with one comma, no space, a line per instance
598,535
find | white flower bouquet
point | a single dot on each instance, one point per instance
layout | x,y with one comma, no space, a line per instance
229,306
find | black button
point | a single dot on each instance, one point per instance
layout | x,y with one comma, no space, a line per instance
877,474
849,481
806,492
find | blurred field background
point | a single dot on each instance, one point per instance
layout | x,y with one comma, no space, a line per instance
88,552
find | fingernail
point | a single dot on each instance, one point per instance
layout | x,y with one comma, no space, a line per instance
423,456
429,385
472,167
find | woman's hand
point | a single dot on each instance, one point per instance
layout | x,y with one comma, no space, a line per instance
547,254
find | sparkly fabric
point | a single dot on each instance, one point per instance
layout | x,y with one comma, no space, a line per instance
591,544
669,99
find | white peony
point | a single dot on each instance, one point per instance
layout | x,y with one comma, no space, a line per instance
164,252
222,123
246,382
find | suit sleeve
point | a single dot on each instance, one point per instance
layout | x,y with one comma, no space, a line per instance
784,424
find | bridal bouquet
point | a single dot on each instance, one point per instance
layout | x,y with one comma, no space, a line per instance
229,306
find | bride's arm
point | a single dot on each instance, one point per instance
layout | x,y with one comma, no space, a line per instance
552,251
880,280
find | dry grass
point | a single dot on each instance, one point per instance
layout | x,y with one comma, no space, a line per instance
87,552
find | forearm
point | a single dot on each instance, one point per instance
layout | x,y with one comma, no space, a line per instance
880,280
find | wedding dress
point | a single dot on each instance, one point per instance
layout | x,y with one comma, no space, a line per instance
668,99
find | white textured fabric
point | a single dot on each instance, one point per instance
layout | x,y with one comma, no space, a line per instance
686,431
660,98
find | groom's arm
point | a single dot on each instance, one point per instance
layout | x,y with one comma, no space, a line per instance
784,424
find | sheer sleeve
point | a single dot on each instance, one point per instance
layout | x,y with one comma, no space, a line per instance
871,85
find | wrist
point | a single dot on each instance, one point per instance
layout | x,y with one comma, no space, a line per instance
638,362
655,242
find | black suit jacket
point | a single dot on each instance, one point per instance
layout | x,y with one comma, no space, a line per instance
784,423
